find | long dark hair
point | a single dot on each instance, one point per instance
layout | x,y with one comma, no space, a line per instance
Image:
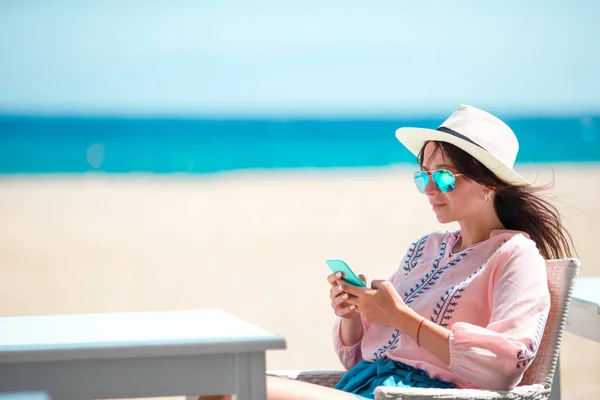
518,207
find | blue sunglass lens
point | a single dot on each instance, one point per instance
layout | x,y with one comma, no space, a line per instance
444,180
421,179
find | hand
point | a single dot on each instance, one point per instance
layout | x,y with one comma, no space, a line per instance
380,305
338,298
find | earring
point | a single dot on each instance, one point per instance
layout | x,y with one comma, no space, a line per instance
487,196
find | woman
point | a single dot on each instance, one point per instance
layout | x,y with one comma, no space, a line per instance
464,309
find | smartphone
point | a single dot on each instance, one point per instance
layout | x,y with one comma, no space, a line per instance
337,265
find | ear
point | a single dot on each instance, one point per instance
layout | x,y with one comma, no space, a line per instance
487,191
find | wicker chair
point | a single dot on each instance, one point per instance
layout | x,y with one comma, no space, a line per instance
537,381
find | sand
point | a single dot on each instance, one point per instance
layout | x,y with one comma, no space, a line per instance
251,243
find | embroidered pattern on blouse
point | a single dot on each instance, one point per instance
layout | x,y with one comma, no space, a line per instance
391,345
527,355
425,284
415,252
442,313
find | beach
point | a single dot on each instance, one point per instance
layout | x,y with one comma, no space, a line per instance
252,243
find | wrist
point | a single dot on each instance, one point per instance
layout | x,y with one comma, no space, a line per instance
351,331
409,321
352,319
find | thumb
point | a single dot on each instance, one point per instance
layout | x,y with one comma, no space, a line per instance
378,284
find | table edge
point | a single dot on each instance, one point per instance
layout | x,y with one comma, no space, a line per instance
150,350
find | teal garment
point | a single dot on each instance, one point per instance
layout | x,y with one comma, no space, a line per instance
365,376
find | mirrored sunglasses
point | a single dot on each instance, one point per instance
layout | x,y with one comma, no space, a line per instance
445,180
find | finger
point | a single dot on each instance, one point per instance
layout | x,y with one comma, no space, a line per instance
362,278
377,284
352,300
342,311
333,278
346,306
348,288
340,299
335,291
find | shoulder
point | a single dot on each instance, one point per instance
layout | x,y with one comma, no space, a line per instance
515,244
519,273
517,254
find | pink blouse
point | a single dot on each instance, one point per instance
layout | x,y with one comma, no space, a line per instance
493,297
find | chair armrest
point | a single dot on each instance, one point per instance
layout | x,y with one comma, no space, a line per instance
529,392
322,378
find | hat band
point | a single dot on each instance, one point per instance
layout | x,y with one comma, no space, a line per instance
459,135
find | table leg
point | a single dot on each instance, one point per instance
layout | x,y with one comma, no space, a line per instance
555,391
251,380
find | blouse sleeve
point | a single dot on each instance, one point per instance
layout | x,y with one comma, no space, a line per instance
496,356
352,355
349,355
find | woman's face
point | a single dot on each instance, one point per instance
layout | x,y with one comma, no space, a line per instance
464,202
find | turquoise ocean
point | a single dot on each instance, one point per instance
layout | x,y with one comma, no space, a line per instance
47,145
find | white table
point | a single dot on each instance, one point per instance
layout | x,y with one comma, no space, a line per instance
584,318
124,355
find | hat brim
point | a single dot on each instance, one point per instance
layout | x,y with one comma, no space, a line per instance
415,138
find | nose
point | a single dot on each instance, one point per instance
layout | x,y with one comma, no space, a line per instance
431,188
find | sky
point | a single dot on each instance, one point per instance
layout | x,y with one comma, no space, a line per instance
268,57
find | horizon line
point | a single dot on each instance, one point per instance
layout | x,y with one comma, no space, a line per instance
255,116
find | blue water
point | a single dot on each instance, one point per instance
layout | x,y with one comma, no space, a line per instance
77,145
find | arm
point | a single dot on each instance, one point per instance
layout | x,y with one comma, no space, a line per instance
347,338
431,336
497,355
348,333
351,330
